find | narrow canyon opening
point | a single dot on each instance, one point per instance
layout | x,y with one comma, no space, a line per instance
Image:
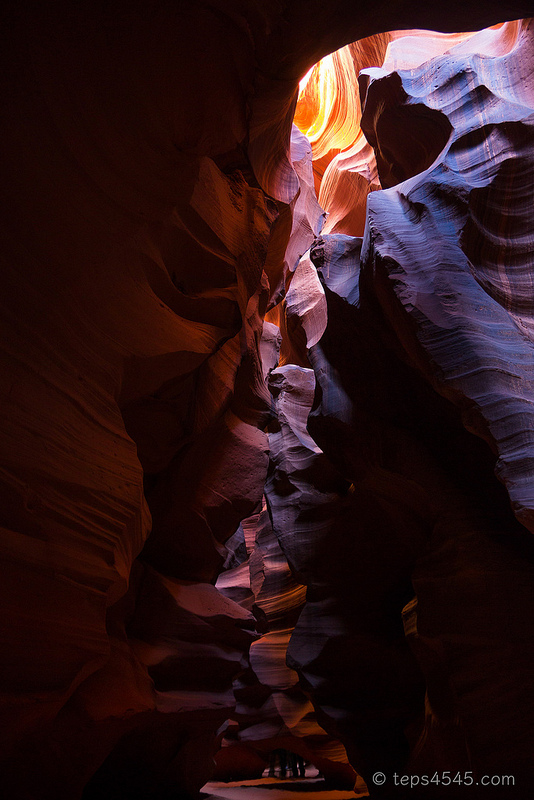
267,460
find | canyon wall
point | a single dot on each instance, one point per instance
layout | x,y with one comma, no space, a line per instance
422,406
156,210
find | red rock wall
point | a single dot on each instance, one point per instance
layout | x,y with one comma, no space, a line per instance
150,192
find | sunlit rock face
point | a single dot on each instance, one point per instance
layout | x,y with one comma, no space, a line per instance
421,412
329,113
473,306
473,341
156,207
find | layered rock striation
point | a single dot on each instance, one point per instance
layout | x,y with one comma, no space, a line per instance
156,209
272,711
421,410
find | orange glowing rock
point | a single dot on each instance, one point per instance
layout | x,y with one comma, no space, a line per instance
328,103
346,182
329,111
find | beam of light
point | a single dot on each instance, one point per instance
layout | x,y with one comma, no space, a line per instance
328,110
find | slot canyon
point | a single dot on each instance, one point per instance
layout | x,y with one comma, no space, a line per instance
267,357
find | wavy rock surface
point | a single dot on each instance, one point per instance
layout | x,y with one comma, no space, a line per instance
329,113
472,307
348,644
422,404
272,711
149,196
192,642
473,342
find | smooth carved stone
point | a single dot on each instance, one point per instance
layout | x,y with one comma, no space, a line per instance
308,214
192,642
128,282
198,501
305,304
329,112
347,181
425,317
202,498
425,508
272,711
299,222
467,282
337,258
137,265
448,259
348,645
425,130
